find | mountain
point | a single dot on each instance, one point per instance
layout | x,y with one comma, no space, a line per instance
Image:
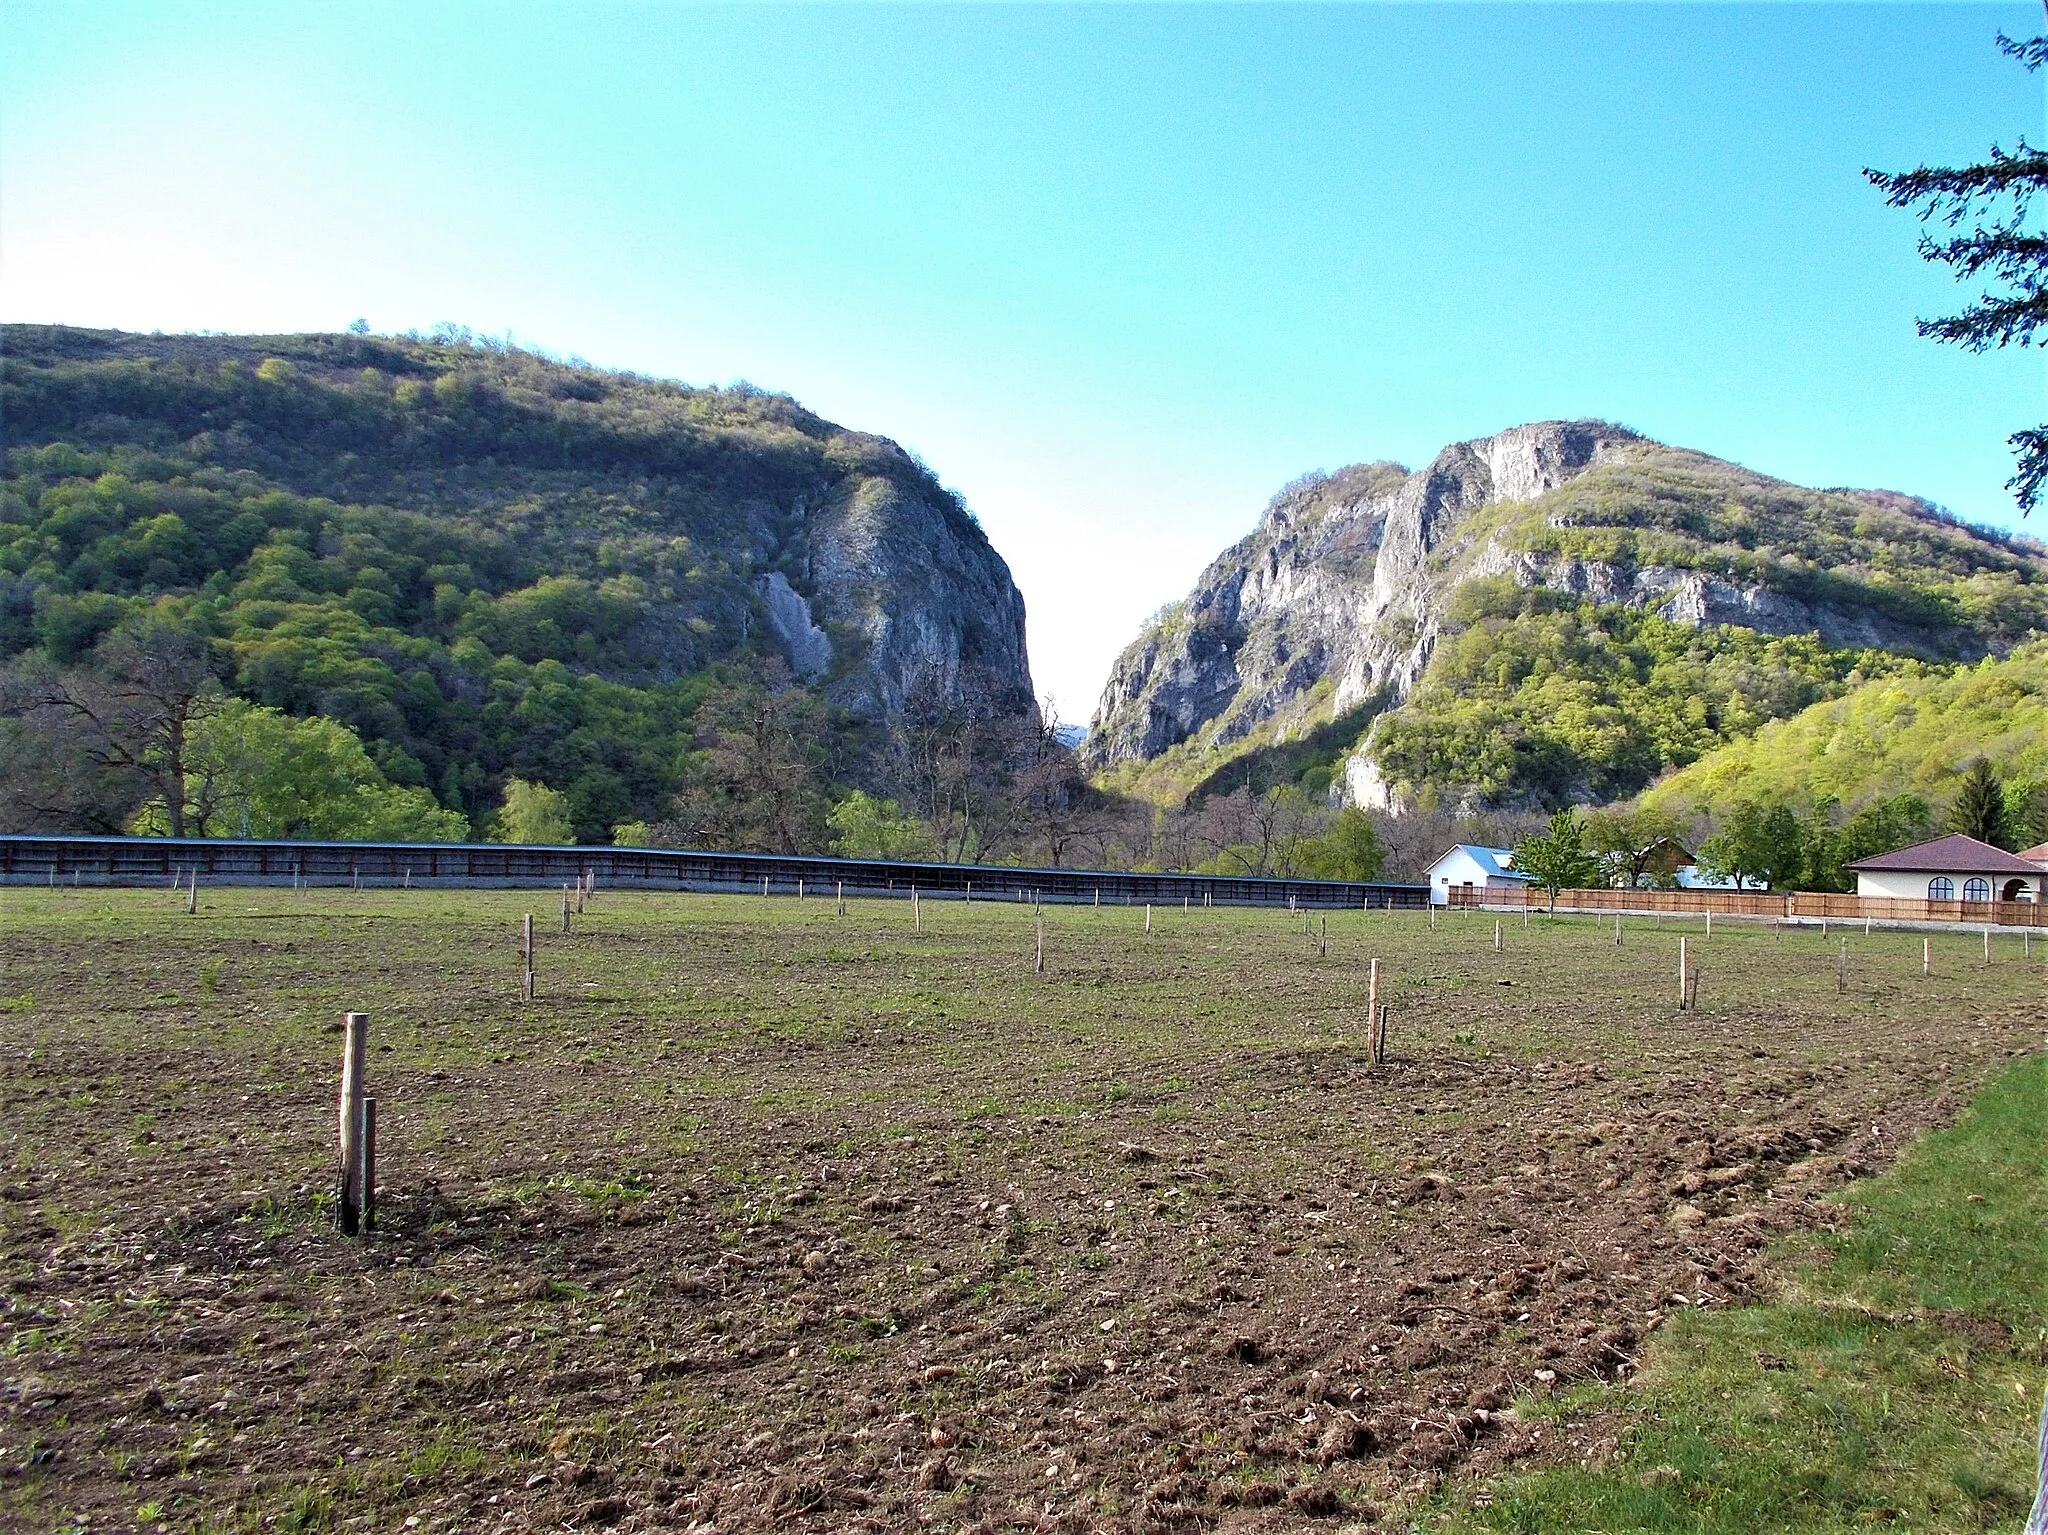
485,561
1551,615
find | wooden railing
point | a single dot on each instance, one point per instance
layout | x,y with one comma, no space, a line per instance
1799,905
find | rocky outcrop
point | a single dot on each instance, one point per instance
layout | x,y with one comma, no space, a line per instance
920,603
1336,600
1339,590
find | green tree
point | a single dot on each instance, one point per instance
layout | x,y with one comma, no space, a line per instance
254,771
1760,843
1979,808
2001,246
534,813
1626,838
1558,859
1351,849
866,827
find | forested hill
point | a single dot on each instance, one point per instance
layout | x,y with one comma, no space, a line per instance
485,562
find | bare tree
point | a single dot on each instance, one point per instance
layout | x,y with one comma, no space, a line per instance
755,785
84,740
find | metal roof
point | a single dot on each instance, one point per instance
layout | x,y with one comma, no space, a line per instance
1954,854
1492,861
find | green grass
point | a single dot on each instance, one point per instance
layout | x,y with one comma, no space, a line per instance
1894,1382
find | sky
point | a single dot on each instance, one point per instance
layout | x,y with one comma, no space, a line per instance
1117,273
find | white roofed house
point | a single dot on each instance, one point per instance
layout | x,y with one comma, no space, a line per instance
1470,866
1953,868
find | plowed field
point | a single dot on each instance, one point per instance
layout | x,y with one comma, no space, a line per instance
762,1217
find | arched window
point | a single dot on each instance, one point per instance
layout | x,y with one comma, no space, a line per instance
1976,889
1941,888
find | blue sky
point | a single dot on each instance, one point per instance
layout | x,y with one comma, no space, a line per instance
1117,273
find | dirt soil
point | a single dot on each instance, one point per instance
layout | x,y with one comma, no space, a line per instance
764,1218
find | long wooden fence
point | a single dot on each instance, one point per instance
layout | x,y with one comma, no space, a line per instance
1796,905
36,860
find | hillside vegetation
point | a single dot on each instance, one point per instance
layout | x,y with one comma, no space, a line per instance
1913,732
484,563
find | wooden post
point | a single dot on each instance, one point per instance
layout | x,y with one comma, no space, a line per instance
1710,921
565,908
1373,1027
1823,925
192,894
1323,938
368,1165
1038,959
526,955
1842,970
1148,916
1183,903
1926,957
2027,943
1866,927
799,889
1432,916
582,890
916,917
406,883
297,871
842,898
1496,935
1987,943
348,1192
968,900
764,887
1098,895
1617,930
1682,972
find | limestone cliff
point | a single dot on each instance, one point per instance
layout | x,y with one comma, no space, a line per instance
1332,608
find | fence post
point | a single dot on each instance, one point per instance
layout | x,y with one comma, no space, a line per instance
565,908
1842,970
1038,957
526,955
348,1204
1373,1028
1617,929
1148,916
1710,921
1682,972
916,916
842,898
1926,956
1987,943
192,895
1322,937
1496,935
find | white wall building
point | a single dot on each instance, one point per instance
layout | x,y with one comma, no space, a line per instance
1953,868
1484,868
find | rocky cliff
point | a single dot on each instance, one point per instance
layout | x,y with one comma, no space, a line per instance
727,519
490,563
1332,609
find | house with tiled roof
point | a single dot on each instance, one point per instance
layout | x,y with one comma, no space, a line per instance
1952,868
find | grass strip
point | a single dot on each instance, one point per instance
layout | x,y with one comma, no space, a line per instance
1896,1380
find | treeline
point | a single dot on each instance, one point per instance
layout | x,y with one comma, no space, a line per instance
142,732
